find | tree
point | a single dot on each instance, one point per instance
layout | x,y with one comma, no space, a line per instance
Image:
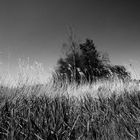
120,72
92,61
83,60
68,67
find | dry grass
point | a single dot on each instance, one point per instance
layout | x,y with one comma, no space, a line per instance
105,110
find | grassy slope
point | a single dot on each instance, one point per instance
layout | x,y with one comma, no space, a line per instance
104,111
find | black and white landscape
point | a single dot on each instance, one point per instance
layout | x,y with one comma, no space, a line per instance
69,70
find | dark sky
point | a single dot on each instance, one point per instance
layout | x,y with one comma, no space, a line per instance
38,28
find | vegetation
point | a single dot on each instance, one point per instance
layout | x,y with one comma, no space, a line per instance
85,62
69,107
104,110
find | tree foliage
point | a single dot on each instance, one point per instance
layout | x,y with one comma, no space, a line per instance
85,62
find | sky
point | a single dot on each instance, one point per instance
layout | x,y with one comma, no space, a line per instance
37,29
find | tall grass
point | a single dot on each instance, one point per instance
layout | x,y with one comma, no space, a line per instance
105,110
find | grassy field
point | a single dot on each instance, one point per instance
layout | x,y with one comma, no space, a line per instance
105,110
